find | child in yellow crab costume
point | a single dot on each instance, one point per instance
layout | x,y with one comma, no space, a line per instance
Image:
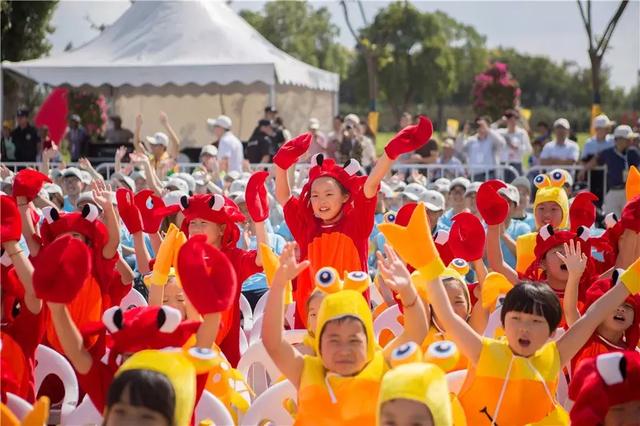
340,384
506,375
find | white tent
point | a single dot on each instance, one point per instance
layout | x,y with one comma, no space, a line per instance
194,60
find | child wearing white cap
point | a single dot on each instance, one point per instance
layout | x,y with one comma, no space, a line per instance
162,148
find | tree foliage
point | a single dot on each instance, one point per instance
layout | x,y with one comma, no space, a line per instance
25,26
303,32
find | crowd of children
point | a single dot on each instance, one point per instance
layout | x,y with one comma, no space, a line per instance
516,303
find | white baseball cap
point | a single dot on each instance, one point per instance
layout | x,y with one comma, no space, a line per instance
414,191
178,184
433,200
124,179
562,122
158,138
209,150
472,188
238,185
386,190
172,198
353,118
314,124
222,121
191,182
460,181
623,131
199,177
511,192
75,172
601,122
52,188
87,197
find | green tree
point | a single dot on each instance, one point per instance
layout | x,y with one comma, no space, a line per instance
25,26
302,32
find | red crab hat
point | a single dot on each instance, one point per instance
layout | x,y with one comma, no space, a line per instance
346,175
547,239
599,288
144,327
213,208
467,237
582,211
602,382
85,223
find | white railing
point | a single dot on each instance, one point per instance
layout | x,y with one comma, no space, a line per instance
573,169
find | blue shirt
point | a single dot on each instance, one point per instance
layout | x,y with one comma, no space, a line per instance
259,281
126,239
445,220
528,220
515,229
284,231
68,207
594,147
616,164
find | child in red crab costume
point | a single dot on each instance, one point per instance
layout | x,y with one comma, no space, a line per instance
332,219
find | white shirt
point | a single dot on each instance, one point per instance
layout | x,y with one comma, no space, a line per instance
519,138
569,150
594,147
230,148
484,152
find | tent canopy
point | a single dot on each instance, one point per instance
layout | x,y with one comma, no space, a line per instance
191,42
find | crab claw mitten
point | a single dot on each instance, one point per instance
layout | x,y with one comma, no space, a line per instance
164,258
491,206
28,182
410,138
632,187
61,269
10,223
128,210
149,204
631,215
256,197
292,150
582,211
207,276
467,237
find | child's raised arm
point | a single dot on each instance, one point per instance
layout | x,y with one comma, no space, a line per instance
576,262
284,355
398,278
495,257
579,333
70,338
24,271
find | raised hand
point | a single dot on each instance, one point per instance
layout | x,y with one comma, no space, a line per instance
120,153
85,164
573,258
163,118
139,121
393,270
101,193
50,153
289,267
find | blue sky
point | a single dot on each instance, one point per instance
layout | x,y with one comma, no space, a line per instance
550,28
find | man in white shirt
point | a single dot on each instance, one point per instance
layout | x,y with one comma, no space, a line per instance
517,139
483,150
561,150
230,152
593,146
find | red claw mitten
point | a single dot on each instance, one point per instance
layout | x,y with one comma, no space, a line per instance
128,210
410,138
582,211
292,150
256,197
11,225
28,183
207,276
149,205
491,206
631,215
467,237
61,269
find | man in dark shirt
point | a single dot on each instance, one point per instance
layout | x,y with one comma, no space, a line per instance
260,147
618,161
78,138
25,137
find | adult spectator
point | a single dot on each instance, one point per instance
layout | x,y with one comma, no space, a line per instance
260,147
593,146
229,146
76,138
618,160
351,143
426,154
279,127
8,148
447,158
561,150
116,134
517,139
334,138
369,156
483,150
318,140
25,137
543,132
270,114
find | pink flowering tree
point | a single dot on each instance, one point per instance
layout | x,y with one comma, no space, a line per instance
494,91
92,109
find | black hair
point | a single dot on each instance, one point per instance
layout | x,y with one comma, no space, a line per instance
339,117
542,124
533,298
485,118
341,320
148,389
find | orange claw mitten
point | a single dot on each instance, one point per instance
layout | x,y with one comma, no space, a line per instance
491,206
11,225
28,183
128,210
207,276
467,237
256,197
61,269
292,150
410,138
582,211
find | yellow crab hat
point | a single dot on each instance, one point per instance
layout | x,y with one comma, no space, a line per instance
341,304
180,371
421,382
550,190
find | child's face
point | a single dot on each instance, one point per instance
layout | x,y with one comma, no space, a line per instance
213,231
327,198
174,297
525,193
343,347
548,213
312,313
457,298
122,413
554,267
405,412
76,235
526,333
72,185
456,197
620,320
626,414
470,202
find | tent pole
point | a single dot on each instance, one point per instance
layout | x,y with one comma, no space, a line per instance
1,93
272,95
